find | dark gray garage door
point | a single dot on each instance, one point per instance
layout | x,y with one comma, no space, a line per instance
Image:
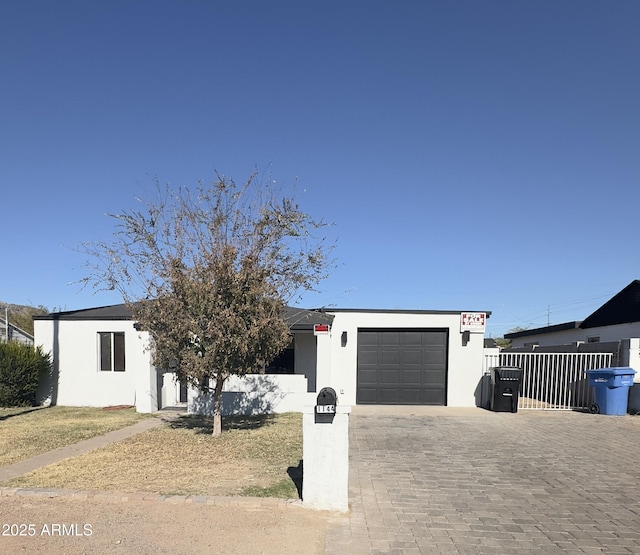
402,367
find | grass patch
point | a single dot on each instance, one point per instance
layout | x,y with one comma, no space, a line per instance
29,431
285,489
253,456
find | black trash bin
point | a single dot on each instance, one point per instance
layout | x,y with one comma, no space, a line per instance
505,388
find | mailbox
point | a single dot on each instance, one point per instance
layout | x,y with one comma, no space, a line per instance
326,405
326,401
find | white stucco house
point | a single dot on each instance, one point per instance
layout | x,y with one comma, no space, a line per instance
412,357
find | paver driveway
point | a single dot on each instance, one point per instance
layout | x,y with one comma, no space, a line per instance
445,480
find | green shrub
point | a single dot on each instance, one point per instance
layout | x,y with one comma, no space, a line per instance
21,367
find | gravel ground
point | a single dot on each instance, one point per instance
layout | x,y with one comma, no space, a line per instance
70,526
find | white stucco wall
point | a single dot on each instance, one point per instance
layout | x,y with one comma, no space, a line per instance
78,380
256,394
633,357
465,362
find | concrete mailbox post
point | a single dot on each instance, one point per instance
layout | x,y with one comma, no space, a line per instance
325,453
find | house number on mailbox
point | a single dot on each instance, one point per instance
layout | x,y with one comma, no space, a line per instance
326,409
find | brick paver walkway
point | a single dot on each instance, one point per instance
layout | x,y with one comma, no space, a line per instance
480,482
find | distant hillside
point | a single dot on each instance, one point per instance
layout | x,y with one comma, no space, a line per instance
21,315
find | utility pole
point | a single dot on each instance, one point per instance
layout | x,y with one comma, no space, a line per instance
548,315
6,323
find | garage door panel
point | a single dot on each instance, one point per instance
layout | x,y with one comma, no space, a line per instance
436,339
390,338
432,396
387,396
388,376
367,338
411,357
402,367
368,377
368,395
433,379
387,357
366,357
410,338
411,396
433,357
411,377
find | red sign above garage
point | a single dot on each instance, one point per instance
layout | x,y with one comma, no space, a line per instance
473,321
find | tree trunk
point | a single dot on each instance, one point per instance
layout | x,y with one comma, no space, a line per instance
217,408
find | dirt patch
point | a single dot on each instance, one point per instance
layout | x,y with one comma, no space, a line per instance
158,527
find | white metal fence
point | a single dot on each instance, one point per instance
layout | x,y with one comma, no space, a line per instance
553,381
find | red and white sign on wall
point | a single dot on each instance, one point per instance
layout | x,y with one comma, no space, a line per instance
321,329
472,321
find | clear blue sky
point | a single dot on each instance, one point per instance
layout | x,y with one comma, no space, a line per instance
473,155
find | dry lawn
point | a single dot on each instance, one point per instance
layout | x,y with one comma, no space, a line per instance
26,432
254,456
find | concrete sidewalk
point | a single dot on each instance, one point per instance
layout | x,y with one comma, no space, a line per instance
51,457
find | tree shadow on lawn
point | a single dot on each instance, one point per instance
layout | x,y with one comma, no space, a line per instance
26,410
204,424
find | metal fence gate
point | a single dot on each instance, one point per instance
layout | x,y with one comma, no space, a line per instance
552,381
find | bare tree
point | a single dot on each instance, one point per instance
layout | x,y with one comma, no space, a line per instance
208,273
504,343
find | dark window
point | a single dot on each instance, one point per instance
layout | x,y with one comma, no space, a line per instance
118,352
283,363
112,351
105,352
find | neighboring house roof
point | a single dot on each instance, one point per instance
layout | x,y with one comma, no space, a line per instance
490,343
297,318
622,308
13,329
546,329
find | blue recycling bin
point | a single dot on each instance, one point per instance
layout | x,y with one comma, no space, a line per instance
611,387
